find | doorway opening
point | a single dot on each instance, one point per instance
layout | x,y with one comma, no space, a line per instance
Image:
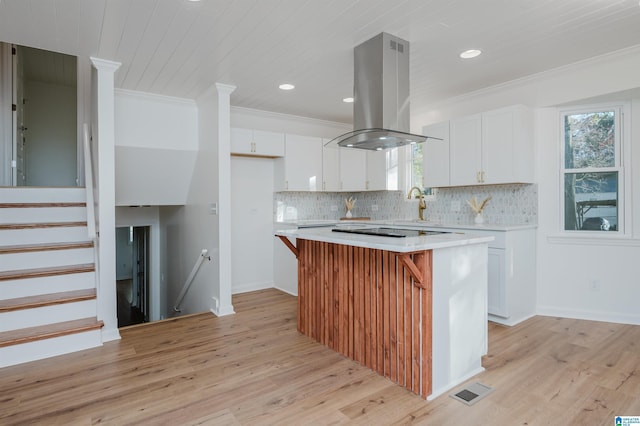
39,131
132,276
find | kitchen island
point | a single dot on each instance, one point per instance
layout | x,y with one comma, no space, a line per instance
414,309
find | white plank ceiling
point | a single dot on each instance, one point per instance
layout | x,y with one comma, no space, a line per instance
179,48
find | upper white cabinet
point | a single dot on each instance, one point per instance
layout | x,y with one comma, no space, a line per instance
492,148
465,150
301,168
353,169
435,156
376,171
258,143
330,167
507,145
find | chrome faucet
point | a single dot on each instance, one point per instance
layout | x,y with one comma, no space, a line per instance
422,205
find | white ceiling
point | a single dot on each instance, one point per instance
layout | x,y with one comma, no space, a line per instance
178,48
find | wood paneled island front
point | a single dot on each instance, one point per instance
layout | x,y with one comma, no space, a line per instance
412,309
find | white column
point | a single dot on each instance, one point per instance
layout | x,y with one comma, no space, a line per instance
224,197
104,130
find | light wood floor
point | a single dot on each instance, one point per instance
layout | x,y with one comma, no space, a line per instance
254,368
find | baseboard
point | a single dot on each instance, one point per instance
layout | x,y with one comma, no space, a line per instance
109,335
223,311
437,392
509,321
286,291
245,288
550,311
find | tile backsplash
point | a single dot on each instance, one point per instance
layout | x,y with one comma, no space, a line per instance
510,204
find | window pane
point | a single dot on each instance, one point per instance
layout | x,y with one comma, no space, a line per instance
416,164
589,140
591,201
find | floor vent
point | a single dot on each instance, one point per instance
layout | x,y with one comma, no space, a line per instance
472,393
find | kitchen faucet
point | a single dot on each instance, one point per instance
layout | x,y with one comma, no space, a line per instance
422,205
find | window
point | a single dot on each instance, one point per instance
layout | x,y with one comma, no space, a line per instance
415,165
392,169
592,172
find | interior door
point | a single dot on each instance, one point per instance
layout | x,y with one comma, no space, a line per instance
141,278
19,121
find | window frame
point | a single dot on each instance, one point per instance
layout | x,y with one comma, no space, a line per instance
621,141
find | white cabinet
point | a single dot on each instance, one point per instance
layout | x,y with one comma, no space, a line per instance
435,156
258,143
301,168
494,147
497,303
330,167
511,274
353,169
376,171
466,150
507,146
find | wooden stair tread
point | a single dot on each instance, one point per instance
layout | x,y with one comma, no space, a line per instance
32,334
7,226
42,205
27,248
50,299
46,272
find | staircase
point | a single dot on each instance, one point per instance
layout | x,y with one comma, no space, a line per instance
48,303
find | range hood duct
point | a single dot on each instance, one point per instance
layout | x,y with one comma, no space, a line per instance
381,92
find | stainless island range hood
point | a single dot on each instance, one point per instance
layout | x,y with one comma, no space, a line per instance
381,92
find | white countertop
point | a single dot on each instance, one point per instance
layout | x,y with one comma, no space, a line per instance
401,245
408,222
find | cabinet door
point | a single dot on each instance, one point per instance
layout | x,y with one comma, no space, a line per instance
466,150
353,169
330,167
376,171
435,156
507,151
302,163
497,299
241,141
268,144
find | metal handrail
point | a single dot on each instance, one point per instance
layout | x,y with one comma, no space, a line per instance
88,183
203,255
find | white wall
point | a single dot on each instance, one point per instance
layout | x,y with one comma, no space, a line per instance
567,267
252,202
274,122
156,148
251,223
50,149
6,121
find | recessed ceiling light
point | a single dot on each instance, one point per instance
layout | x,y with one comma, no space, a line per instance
378,149
349,144
347,100
287,86
471,53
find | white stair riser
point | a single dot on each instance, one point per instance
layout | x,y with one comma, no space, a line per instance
45,259
43,235
42,195
41,349
13,289
47,315
43,215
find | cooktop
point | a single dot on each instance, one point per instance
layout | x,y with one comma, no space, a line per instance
388,232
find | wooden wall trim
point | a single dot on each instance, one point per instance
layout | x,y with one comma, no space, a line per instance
370,305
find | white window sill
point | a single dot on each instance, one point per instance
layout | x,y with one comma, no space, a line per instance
595,240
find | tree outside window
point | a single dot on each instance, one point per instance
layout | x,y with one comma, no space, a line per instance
591,170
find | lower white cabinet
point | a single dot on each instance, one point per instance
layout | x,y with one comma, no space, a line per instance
512,274
497,302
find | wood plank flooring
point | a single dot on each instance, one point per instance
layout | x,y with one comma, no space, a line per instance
254,368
